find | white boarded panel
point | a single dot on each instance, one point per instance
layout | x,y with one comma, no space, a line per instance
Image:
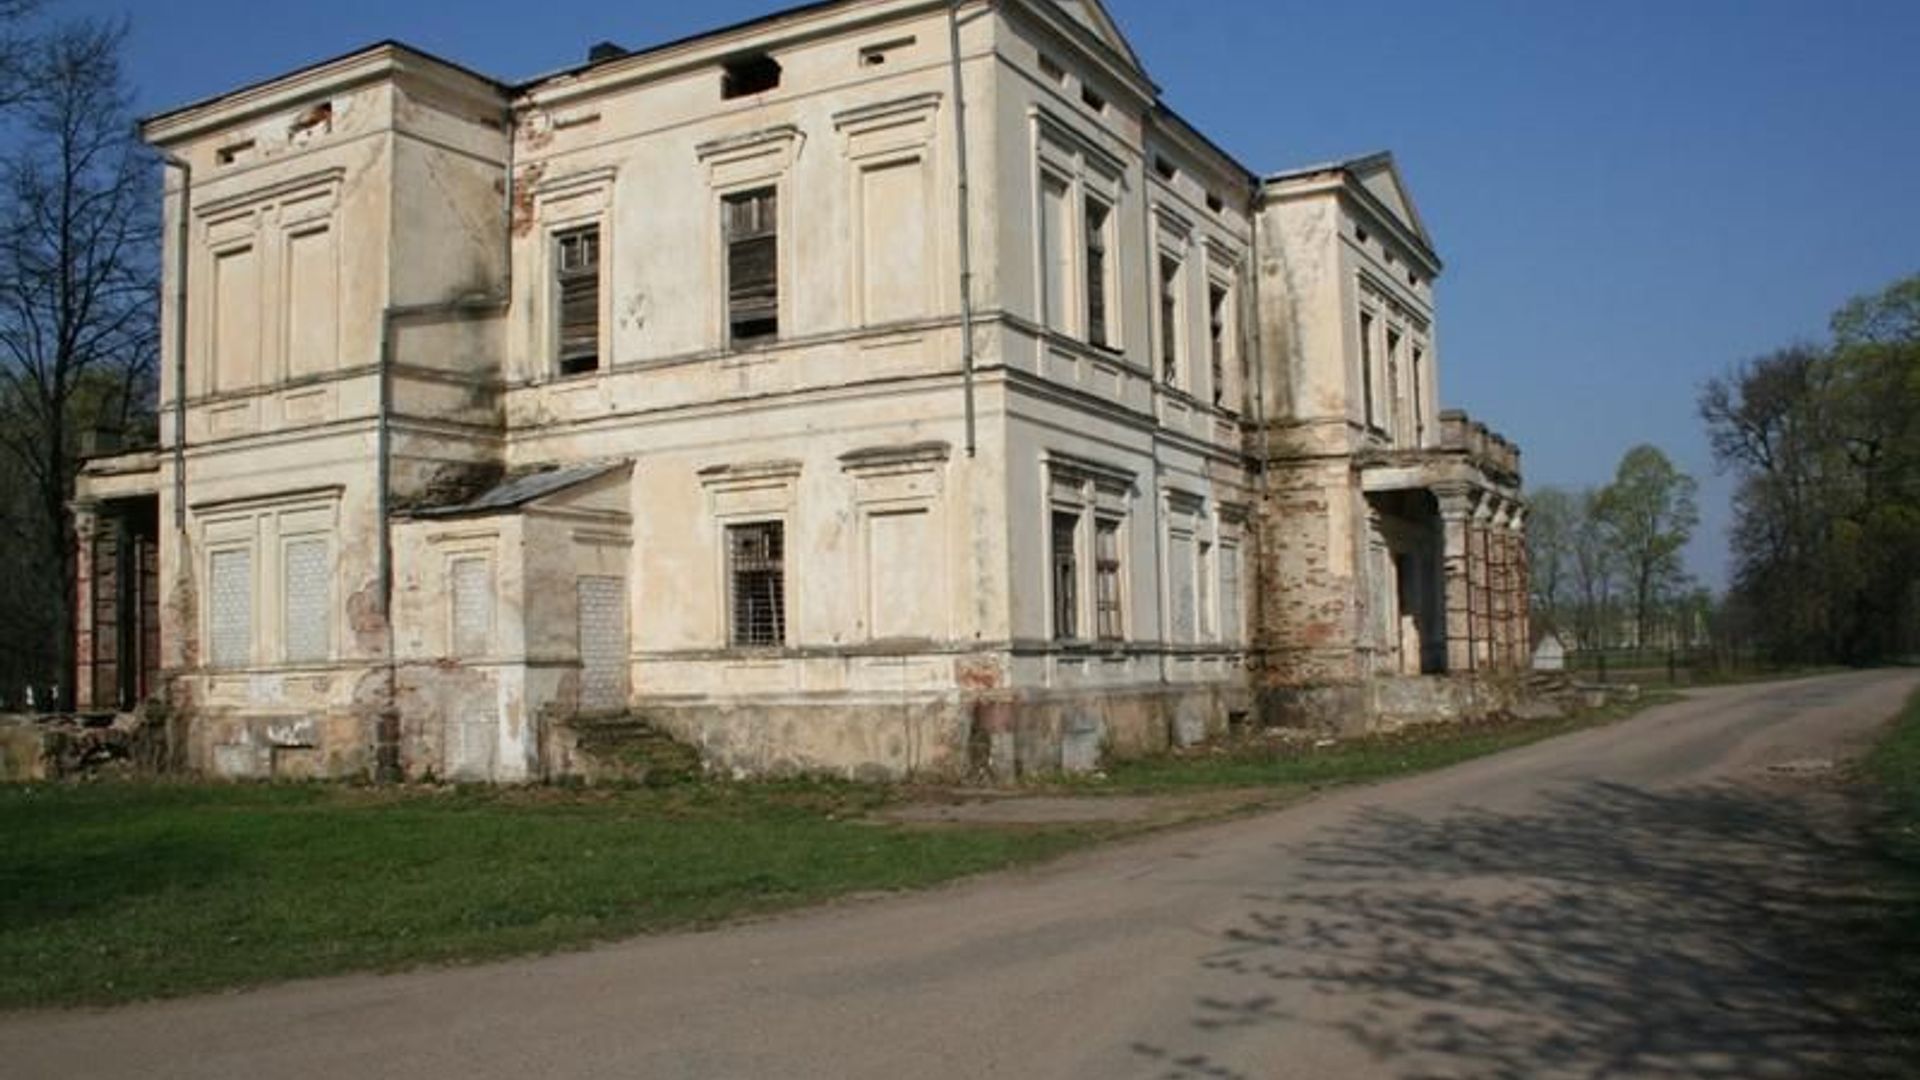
308,611
1055,258
903,569
471,589
893,201
313,298
603,644
1180,586
230,607
236,318
1230,625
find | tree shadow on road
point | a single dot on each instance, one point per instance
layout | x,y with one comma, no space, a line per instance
1717,933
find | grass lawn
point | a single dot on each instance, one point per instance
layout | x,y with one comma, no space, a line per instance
1894,769
110,892
1255,762
117,891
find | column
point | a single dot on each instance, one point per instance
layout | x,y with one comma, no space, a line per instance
1456,512
86,529
1522,593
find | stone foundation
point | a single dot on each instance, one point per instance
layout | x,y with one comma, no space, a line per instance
1388,704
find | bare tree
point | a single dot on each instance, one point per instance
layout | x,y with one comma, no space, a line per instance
78,280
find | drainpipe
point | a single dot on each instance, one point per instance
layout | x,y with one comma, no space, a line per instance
966,240
1257,339
181,261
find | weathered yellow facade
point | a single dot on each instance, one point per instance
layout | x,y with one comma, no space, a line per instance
887,388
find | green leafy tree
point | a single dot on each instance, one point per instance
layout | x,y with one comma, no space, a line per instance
1649,513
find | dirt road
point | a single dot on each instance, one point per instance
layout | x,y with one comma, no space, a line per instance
1668,897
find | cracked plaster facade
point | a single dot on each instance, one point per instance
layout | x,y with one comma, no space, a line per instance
1148,499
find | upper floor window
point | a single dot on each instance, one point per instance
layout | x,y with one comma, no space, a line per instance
1217,297
750,223
1419,404
748,75
1170,277
577,280
1393,382
1098,219
1366,366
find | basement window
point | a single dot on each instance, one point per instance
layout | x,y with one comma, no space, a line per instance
749,75
753,258
756,582
577,282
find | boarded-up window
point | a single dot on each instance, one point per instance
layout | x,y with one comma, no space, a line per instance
1098,215
1231,629
236,318
751,226
230,607
756,582
307,611
603,644
1180,585
313,290
1169,320
1066,575
900,561
1056,265
470,592
577,281
1203,583
894,271
1106,580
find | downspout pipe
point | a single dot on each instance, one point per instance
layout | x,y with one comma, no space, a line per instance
965,223
181,261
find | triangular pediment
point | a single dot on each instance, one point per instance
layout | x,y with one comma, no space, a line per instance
1093,15
1381,178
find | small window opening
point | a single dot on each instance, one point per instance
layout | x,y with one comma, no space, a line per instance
748,75
753,257
577,277
878,54
1092,98
1052,69
1164,168
1360,233
1413,279
234,153
756,577
1215,203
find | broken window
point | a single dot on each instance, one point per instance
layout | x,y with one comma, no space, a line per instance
753,278
756,577
1393,382
577,278
1169,320
1097,216
1106,580
754,74
1366,365
1066,575
1419,406
1217,339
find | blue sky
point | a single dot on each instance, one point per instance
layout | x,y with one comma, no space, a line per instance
1629,196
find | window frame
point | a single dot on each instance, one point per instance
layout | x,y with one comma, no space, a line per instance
1171,276
560,278
1063,570
741,637
769,231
